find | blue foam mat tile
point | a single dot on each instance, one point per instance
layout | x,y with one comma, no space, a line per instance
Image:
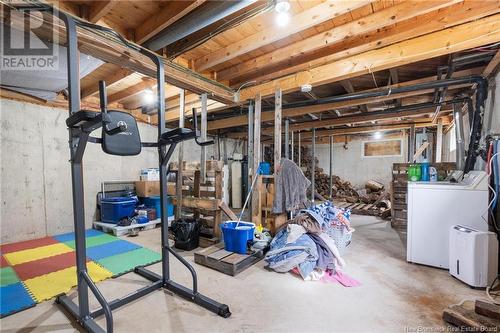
71,235
14,298
110,249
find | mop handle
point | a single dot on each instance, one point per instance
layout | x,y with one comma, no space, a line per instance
248,196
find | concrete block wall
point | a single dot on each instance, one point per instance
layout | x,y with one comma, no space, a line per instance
35,179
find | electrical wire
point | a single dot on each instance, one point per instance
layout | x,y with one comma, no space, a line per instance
490,170
490,287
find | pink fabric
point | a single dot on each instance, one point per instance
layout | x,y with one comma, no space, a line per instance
342,278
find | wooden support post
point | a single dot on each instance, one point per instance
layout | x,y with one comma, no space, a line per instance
313,167
196,190
218,195
250,143
439,140
287,138
277,130
299,150
256,198
203,135
331,167
178,191
411,144
292,148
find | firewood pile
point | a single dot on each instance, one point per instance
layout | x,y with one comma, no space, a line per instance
373,199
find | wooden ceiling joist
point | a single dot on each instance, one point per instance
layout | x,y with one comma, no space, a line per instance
425,24
92,89
100,46
492,65
100,8
465,36
378,20
299,111
270,34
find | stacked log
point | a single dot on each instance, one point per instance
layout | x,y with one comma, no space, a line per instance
374,192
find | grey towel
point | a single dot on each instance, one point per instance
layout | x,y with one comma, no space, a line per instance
290,187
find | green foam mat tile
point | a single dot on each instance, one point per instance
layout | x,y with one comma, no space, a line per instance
94,241
126,262
8,276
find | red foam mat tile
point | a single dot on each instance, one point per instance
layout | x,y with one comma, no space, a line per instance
3,262
30,244
29,270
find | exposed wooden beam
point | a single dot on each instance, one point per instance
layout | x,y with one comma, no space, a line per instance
368,129
270,34
455,39
295,112
173,11
100,8
111,51
378,20
120,74
138,88
359,118
418,26
492,65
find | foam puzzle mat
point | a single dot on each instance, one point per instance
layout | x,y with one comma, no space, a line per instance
37,270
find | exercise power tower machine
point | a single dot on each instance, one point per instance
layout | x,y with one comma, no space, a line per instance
120,136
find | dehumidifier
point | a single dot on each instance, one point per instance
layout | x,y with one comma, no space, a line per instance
473,256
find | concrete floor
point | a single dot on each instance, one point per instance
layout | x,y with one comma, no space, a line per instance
394,297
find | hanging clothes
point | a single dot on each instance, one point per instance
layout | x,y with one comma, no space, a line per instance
290,188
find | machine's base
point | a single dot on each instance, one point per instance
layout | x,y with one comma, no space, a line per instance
90,325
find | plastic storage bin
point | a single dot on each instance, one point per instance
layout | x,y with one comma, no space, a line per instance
236,238
154,202
265,168
117,208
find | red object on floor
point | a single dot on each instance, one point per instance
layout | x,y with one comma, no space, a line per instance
30,244
29,270
3,262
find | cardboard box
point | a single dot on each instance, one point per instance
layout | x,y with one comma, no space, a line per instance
150,174
145,188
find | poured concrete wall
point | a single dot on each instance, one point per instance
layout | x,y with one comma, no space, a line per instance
35,179
351,166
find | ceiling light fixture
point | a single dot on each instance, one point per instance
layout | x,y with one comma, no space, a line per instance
282,8
148,96
377,135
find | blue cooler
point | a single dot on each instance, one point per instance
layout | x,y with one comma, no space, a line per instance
117,208
154,202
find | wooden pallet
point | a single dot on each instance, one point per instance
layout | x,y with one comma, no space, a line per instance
364,209
224,261
122,231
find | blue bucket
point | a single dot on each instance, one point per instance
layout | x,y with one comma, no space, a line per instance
235,239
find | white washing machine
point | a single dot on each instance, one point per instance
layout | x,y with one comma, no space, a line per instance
434,207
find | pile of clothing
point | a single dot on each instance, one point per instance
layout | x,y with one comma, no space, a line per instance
312,243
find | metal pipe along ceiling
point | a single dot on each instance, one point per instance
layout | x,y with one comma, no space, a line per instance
195,21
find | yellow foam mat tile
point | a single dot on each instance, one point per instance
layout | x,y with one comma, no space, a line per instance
50,285
19,257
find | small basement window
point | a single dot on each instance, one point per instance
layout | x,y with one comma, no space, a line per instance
382,148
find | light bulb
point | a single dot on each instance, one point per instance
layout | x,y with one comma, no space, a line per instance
377,135
148,96
282,19
282,6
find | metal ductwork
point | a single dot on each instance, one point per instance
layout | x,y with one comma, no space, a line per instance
459,135
195,21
